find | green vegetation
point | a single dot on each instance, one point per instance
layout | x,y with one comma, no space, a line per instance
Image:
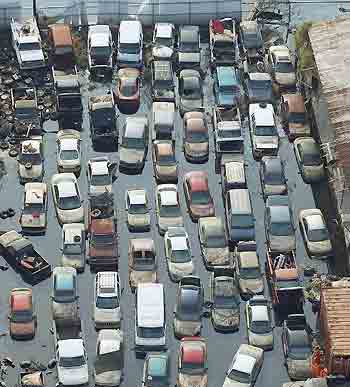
303,47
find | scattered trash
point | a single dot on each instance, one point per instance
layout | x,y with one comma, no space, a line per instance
309,271
7,361
25,364
3,268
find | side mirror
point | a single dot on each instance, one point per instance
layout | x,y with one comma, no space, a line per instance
122,291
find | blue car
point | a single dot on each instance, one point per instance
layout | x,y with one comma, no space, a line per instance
227,87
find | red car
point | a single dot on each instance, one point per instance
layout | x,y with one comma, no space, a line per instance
22,319
127,91
198,198
192,362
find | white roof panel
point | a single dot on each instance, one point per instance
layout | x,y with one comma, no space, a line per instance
164,30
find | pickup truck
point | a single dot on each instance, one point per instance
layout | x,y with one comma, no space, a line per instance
28,119
228,136
20,253
71,356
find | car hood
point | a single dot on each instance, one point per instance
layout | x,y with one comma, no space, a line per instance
76,261
139,220
232,383
165,171
181,268
22,328
189,57
287,79
73,376
282,243
108,378
187,328
266,141
261,340
299,369
226,317
28,220
32,55
33,172
193,380
199,148
162,52
71,216
139,277
68,163
218,256
131,155
255,285
107,315
130,58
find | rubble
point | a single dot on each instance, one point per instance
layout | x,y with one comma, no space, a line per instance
313,287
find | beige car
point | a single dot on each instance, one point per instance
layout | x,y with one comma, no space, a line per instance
137,209
142,262
31,161
281,65
196,137
164,161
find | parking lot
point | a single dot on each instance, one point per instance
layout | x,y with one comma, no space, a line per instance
221,347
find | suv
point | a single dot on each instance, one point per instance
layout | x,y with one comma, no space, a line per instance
107,313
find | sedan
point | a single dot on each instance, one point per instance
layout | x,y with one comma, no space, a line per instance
164,161
168,207
33,218
109,362
272,178
213,243
245,367
279,229
196,137
190,91
259,327
178,253
307,153
224,301
192,362
21,317
137,208
67,198
31,161
68,151
198,198
188,309
156,370
127,92
258,87
315,233
226,88
100,173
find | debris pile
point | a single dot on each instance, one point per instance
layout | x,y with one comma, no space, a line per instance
313,286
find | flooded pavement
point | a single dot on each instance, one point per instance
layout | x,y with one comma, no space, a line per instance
221,347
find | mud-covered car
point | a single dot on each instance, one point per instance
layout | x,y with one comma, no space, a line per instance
188,309
178,253
213,242
192,363
68,151
164,161
272,177
142,262
33,219
224,301
74,246
31,161
137,208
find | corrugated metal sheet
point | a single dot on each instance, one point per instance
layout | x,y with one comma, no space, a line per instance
147,11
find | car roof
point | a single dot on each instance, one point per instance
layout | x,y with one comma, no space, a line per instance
277,200
227,76
192,75
66,189
315,222
21,299
309,146
280,214
157,365
193,352
224,286
110,340
34,194
71,231
100,38
248,259
69,143
189,33
67,347
244,363
263,114
129,31
260,313
298,338
164,148
150,296
137,196
168,198
296,102
162,70
64,281
273,165
189,295
198,181
99,167
179,243
164,30
99,28
135,127
214,225
196,124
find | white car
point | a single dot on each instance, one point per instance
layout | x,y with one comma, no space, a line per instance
67,198
100,47
74,246
178,253
34,212
282,68
136,205
245,367
68,151
100,175
30,161
168,207
315,233
163,41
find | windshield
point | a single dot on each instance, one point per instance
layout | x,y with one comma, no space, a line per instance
134,143
129,48
100,180
311,159
167,160
69,203
138,209
189,46
274,177
170,211
193,92
102,239
249,273
189,306
282,229
318,235
284,67
239,376
242,221
301,352
72,249
103,118
265,131
197,136
261,85
260,327
144,260
64,295
161,41
71,362
111,361
33,158
101,51
200,197
107,302
150,333
31,209
180,256
193,368
217,241
297,117
22,316
30,46
67,155
230,146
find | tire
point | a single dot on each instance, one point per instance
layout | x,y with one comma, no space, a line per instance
13,152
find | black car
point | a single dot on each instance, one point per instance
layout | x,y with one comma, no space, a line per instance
258,87
297,346
188,308
272,177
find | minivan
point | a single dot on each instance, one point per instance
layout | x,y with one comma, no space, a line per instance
239,216
150,326
130,44
61,41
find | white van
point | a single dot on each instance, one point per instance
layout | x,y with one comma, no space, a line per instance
130,44
150,326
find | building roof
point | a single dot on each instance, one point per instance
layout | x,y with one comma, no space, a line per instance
330,44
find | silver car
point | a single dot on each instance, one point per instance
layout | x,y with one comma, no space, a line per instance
315,233
259,327
100,172
68,151
272,178
137,208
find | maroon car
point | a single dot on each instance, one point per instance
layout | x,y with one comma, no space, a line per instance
198,198
127,91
